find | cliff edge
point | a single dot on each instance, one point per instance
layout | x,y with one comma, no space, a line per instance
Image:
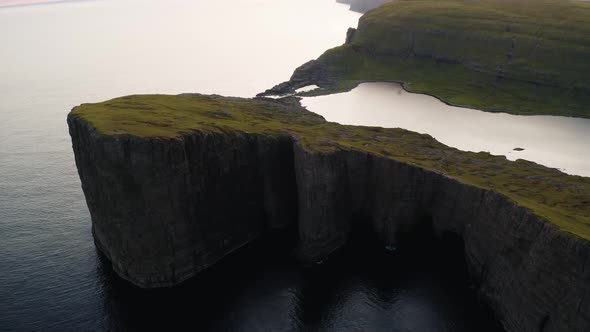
174,183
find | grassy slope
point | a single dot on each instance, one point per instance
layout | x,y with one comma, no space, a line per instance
561,199
520,56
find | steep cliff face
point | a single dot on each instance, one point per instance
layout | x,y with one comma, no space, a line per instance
167,203
165,209
533,275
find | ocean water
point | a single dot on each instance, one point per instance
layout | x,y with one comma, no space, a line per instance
56,56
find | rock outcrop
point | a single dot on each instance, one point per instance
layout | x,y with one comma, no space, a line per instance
165,208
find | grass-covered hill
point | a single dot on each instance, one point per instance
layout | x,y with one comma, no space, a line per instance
519,56
556,197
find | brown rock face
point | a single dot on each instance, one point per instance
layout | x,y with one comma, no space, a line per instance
165,209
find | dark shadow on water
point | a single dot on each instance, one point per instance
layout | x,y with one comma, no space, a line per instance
421,286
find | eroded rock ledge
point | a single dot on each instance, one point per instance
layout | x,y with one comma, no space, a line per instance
175,183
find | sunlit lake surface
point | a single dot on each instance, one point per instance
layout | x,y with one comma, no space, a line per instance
557,142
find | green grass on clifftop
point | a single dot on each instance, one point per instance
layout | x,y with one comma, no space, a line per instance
518,56
558,198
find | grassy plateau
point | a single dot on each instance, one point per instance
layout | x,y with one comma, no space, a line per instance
517,56
558,198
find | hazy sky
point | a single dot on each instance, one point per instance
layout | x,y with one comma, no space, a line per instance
6,3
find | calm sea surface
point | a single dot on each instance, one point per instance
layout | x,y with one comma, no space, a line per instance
57,56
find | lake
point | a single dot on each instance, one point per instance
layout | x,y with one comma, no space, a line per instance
56,56
553,141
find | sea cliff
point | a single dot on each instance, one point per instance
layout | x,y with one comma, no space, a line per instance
175,183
